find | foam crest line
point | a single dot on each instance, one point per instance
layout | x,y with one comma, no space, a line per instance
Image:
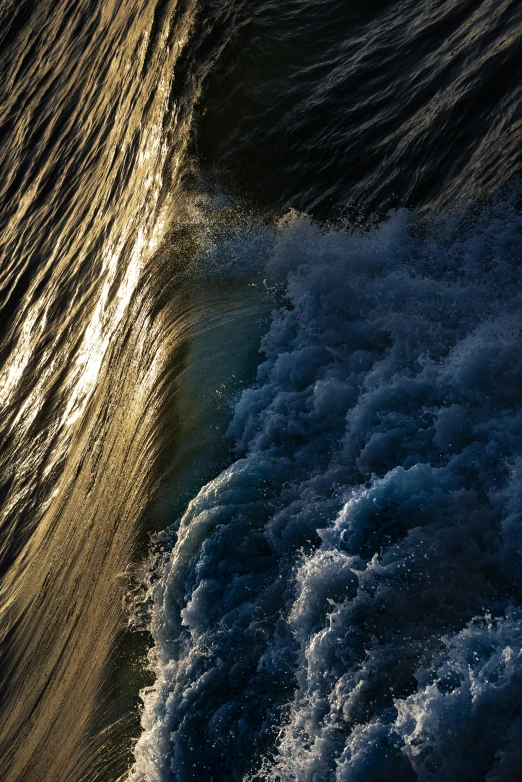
343,602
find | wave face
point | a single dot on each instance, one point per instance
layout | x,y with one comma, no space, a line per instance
343,602
96,109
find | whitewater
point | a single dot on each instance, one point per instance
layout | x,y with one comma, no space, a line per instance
343,601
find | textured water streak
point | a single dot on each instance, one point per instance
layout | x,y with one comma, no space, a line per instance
88,188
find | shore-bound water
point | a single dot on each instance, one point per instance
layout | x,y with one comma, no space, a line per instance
260,383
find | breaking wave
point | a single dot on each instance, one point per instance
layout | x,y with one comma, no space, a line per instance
343,602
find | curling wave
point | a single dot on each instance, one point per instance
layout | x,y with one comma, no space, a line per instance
343,602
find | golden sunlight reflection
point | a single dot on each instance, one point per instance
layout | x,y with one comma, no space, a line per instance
85,347
143,224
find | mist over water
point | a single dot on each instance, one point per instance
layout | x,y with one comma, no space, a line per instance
335,593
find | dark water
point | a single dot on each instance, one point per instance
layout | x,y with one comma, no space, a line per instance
323,105
342,600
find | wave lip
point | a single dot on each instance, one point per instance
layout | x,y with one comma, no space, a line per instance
343,601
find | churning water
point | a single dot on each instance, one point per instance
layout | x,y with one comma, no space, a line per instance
336,591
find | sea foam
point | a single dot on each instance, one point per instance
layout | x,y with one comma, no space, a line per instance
343,602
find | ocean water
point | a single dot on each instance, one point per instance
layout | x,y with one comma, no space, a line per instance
342,602
260,383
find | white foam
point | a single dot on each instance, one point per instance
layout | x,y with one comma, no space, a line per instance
342,602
